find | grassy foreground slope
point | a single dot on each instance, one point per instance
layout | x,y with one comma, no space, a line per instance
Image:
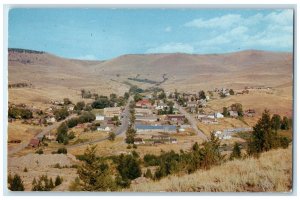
272,172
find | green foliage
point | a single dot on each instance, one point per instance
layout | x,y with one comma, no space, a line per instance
225,112
111,136
130,134
148,174
61,114
95,173
19,113
237,107
236,152
39,151
62,151
264,138
276,122
62,133
25,169
101,103
58,180
231,92
43,184
135,89
162,95
137,97
126,95
67,101
202,95
15,183
128,167
79,105
285,123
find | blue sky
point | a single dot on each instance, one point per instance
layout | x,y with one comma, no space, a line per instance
99,34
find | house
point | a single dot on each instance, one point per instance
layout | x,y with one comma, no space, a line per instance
146,119
144,103
99,117
233,113
112,111
173,140
219,115
160,137
201,116
211,116
138,141
105,128
50,119
175,118
155,128
142,112
192,104
161,106
34,142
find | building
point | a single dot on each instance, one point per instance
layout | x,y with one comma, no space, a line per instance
233,113
211,116
175,118
192,104
219,115
155,128
112,111
146,119
142,112
50,119
100,117
144,103
138,141
161,106
34,142
105,128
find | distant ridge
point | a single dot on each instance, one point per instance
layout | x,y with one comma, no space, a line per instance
19,50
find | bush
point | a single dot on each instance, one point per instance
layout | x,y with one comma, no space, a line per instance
19,113
39,151
62,151
43,184
61,114
111,136
25,170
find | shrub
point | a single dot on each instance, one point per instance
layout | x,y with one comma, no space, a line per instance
15,183
58,180
62,151
39,151
25,170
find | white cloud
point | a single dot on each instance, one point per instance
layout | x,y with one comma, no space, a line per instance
262,31
172,48
168,29
88,57
225,21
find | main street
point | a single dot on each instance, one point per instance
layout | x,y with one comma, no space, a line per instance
192,121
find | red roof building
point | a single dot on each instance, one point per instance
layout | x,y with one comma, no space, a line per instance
34,143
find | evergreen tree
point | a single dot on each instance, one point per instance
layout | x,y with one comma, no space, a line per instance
285,123
276,122
236,153
58,180
95,174
148,174
15,183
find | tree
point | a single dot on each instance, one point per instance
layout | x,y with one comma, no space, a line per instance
130,134
238,107
236,152
61,114
285,123
262,135
79,105
231,92
62,151
111,136
58,180
43,184
95,173
126,95
15,183
137,97
67,101
225,112
202,95
276,122
148,174
62,133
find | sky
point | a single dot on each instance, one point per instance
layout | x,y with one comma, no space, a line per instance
100,34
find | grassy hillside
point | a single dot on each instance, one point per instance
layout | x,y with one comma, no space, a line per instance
272,172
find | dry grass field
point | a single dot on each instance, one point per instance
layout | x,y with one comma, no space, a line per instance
272,172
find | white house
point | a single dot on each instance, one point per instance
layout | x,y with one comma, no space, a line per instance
219,115
50,119
99,118
161,106
233,113
104,128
